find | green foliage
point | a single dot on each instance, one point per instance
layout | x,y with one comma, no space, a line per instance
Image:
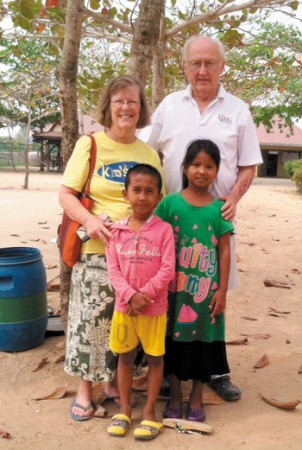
261,65
27,71
265,74
95,4
288,167
294,170
297,173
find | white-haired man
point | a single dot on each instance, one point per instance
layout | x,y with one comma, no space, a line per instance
204,110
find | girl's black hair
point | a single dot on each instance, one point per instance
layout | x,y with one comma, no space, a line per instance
200,145
145,169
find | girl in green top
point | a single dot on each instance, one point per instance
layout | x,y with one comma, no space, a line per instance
195,344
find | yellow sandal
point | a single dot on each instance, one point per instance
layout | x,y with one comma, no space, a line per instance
119,425
148,430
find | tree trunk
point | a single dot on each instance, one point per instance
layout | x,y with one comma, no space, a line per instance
145,38
67,76
158,71
25,186
67,79
11,145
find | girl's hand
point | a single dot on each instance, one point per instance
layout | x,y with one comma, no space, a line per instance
217,304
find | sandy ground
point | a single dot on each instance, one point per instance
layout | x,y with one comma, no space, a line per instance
268,318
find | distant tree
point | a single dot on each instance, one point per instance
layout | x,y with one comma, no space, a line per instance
28,91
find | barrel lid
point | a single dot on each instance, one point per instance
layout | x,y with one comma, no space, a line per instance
19,255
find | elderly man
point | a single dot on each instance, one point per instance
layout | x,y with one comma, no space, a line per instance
204,110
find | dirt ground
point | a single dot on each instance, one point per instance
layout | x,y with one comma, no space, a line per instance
266,320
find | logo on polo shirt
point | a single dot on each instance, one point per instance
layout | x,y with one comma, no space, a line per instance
224,119
117,171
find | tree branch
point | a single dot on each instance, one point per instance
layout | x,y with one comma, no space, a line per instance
100,18
223,9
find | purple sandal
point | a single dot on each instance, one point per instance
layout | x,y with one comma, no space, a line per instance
172,413
196,414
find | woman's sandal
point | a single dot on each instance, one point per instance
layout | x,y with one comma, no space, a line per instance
119,425
84,408
148,430
172,413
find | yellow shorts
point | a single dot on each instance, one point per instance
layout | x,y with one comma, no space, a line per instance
127,332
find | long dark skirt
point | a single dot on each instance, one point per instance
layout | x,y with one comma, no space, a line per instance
195,360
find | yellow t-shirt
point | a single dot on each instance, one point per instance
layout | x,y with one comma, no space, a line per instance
113,160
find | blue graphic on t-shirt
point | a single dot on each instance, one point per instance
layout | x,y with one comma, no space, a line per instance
116,171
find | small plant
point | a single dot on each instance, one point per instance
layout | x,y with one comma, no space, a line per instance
288,167
297,176
294,170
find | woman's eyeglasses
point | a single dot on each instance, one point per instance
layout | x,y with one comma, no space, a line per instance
120,103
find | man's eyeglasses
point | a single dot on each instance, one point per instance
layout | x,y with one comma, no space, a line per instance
195,66
120,103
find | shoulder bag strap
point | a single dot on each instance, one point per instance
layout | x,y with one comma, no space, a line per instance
86,189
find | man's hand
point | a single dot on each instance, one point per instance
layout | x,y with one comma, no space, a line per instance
228,210
245,177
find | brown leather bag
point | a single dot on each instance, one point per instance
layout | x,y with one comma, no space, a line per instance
69,242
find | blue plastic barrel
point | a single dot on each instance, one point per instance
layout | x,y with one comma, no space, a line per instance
23,299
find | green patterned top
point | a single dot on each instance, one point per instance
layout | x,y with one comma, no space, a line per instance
197,230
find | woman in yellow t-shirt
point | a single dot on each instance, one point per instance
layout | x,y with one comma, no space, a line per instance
122,110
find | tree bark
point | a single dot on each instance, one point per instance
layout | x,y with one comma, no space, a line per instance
67,79
26,177
145,38
67,76
158,71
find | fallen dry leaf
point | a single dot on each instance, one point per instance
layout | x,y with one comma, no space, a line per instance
275,315
258,335
41,364
262,362
50,266
248,318
268,282
289,406
238,342
5,434
279,312
59,358
99,411
59,392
